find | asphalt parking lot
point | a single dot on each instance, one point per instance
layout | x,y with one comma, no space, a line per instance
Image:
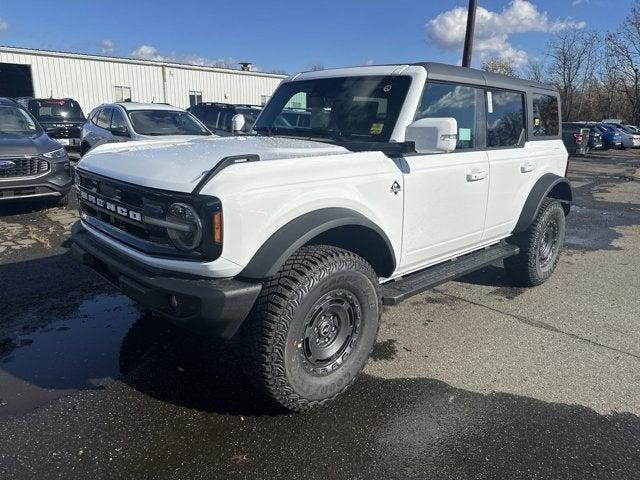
474,379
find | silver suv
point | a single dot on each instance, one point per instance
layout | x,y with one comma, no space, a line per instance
122,122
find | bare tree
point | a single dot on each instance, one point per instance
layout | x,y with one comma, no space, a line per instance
316,67
571,64
625,48
499,65
535,71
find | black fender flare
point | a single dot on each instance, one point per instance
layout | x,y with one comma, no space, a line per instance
549,185
273,253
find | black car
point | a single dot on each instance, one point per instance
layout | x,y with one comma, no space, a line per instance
575,138
61,118
217,116
31,163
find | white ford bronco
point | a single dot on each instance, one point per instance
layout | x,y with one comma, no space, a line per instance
359,188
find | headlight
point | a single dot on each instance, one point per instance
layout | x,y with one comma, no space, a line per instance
59,153
189,237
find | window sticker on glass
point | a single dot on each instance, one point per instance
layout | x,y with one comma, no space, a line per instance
489,102
376,128
464,134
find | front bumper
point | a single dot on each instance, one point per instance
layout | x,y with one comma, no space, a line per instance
211,307
56,183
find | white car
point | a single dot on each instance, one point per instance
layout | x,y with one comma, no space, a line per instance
292,239
126,121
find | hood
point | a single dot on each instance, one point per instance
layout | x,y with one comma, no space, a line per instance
23,145
178,165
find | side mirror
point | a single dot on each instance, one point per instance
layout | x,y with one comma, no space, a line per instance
120,132
433,135
237,123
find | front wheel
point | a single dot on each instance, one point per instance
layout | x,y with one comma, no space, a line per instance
540,246
313,327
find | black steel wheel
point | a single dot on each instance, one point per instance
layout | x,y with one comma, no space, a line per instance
312,328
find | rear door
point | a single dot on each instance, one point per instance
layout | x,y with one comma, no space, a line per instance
516,161
446,193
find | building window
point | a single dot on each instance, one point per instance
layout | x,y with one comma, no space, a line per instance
123,94
195,97
442,100
546,119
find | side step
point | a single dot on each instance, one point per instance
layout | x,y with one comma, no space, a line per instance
396,291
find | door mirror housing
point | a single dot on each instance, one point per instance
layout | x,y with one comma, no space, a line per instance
433,135
237,123
120,132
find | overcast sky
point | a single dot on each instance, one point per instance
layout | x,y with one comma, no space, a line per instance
292,36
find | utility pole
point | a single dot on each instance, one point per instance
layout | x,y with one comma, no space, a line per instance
468,39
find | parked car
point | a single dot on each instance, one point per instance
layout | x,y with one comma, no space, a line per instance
123,122
291,240
218,117
610,137
595,141
31,164
575,138
630,138
61,118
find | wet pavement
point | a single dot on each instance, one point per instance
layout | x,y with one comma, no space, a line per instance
474,379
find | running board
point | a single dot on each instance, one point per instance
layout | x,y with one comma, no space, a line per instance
398,290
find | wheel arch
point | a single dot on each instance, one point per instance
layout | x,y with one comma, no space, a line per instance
339,227
549,185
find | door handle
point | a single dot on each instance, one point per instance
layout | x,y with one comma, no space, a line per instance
527,167
476,174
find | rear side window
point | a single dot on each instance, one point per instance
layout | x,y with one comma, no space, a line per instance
505,118
104,118
546,118
117,120
441,100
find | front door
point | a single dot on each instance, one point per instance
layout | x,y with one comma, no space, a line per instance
446,193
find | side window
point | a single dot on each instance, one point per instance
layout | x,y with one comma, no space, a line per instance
441,100
93,116
117,121
546,118
104,118
505,118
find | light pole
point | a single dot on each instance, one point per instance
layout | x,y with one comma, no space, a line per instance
468,39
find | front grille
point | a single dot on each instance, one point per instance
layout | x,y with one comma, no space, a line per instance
126,212
107,200
22,167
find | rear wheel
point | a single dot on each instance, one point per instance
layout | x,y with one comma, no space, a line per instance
313,327
540,246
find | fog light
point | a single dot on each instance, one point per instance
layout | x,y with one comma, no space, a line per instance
173,301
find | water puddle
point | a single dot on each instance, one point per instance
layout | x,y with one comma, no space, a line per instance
78,352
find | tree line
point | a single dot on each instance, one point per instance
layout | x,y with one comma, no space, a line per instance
597,73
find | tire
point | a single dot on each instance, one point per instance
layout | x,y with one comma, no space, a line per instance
84,148
62,201
312,328
540,246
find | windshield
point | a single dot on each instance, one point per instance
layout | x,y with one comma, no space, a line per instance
16,121
51,110
363,108
166,122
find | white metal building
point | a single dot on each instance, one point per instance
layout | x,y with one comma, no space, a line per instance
94,79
